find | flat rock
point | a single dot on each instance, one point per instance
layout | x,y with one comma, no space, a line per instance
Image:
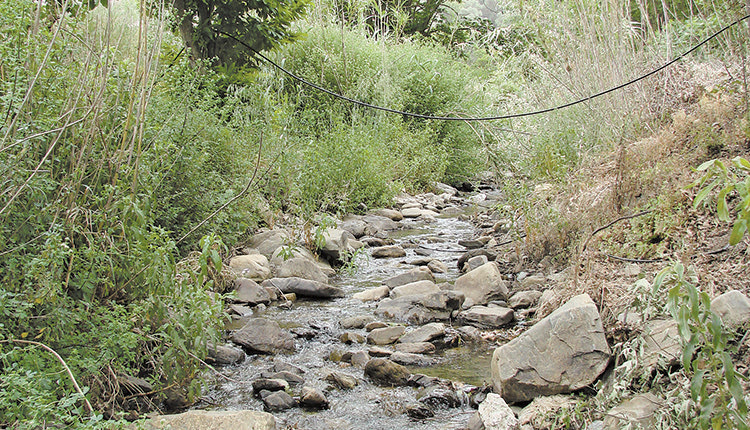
341,380
304,288
391,214
733,307
415,348
372,294
422,308
262,336
426,333
410,359
482,285
300,267
486,317
360,359
266,243
413,275
437,266
224,420
564,352
662,343
351,337
414,288
389,251
359,321
638,411
387,373
269,385
385,335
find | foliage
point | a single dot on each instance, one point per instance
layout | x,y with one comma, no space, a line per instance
728,179
217,29
715,384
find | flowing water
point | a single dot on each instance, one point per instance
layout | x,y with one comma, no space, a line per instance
366,406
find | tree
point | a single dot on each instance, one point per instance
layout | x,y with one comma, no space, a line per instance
213,29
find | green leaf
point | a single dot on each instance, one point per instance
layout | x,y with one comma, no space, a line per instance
705,165
721,203
688,351
738,231
696,384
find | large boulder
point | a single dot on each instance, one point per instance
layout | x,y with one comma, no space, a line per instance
486,317
413,275
281,255
248,291
385,372
304,288
262,336
414,288
733,307
421,308
252,266
482,285
300,267
225,420
565,351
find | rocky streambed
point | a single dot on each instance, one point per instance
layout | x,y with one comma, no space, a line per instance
425,321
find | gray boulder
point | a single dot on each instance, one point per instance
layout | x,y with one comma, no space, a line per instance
268,242
278,401
733,307
388,251
354,226
385,372
341,380
201,420
385,335
300,267
262,336
304,288
439,397
524,299
437,266
336,246
278,258
391,214
358,321
410,359
565,351
415,348
426,333
486,317
224,355
248,291
422,308
482,285
662,343
377,225
413,275
414,288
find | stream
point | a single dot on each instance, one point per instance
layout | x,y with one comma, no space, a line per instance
367,405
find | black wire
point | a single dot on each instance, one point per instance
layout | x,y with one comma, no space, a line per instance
486,118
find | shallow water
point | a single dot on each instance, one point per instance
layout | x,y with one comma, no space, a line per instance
367,405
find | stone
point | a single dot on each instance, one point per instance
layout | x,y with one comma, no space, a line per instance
385,335
422,308
282,366
536,412
388,251
224,355
475,262
134,385
491,256
268,242
351,337
413,275
426,333
372,294
410,359
262,336
415,348
418,411
421,381
252,266
377,224
293,379
638,411
240,310
201,420
437,266
495,414
356,227
278,258
533,282
486,317
300,267
375,324
733,307
341,380
661,343
377,351
359,321
414,288
304,288
360,359
278,401
411,212
312,398
564,352
524,299
482,285
391,214
336,247
439,397
373,242
270,385
248,291
386,373
471,243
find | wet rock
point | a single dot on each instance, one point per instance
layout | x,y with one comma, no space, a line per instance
470,334
418,411
409,359
304,332
372,294
360,359
426,333
304,288
375,325
733,307
373,242
421,309
415,348
439,397
662,343
278,401
420,380
253,266
226,420
356,227
351,337
470,243
437,266
413,275
388,251
638,411
262,336
300,267
385,335
495,414
248,291
376,351
280,257
354,322
391,214
411,212
269,385
224,355
385,372
240,310
482,285
282,366
565,351
491,256
524,299
486,317
293,379
414,288
313,398
341,380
